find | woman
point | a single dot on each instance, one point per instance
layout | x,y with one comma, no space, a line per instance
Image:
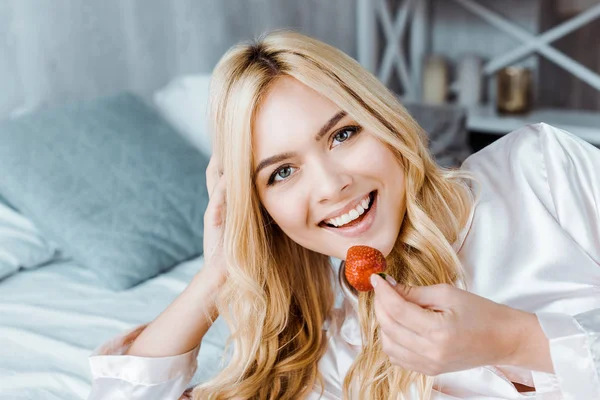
496,263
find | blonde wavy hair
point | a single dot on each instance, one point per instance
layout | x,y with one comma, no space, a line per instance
278,293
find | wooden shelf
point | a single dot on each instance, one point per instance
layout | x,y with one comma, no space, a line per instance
585,124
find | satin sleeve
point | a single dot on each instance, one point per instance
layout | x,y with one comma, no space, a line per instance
572,167
118,376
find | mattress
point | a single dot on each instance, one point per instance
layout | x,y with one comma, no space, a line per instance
52,317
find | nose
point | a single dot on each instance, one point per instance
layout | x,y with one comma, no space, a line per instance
330,182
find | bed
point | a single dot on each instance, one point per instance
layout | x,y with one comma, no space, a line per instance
101,227
101,224
51,318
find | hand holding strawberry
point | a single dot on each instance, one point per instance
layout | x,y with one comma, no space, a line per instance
440,328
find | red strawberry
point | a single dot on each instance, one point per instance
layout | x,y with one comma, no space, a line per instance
361,262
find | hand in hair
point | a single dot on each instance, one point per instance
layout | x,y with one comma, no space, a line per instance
440,328
214,217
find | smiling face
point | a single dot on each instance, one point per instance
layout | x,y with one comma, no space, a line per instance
317,168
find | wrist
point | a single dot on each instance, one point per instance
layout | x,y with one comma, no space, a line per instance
530,342
512,336
212,277
206,284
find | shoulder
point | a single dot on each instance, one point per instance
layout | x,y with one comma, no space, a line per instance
538,151
528,153
515,146
531,143
512,172
515,162
541,165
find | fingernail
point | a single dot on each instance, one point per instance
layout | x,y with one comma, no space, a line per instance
388,278
373,280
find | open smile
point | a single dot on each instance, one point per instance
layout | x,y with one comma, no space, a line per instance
354,222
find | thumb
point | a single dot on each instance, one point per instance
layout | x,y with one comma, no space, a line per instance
432,297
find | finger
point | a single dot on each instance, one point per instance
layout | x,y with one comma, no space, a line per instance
399,333
212,175
408,314
220,184
400,355
215,211
433,297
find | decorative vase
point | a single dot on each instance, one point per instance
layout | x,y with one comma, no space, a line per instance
469,79
513,90
435,80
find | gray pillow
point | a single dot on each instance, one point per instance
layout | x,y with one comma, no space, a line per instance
109,181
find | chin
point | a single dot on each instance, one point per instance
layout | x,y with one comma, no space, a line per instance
384,248
383,242
385,245
386,251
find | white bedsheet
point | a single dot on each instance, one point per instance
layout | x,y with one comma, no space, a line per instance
51,319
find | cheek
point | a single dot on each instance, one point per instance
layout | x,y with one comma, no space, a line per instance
382,162
287,211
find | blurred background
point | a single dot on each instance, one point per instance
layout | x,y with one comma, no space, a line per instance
104,143
61,50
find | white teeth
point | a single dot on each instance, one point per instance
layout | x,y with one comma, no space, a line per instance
365,203
359,210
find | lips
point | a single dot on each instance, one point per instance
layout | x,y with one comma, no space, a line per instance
360,226
356,220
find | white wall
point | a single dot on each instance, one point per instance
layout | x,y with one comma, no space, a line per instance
53,51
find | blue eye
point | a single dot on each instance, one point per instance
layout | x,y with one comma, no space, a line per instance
344,134
282,172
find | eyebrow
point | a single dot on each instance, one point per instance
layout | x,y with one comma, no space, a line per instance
283,156
330,124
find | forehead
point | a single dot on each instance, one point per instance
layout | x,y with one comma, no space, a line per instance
290,113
